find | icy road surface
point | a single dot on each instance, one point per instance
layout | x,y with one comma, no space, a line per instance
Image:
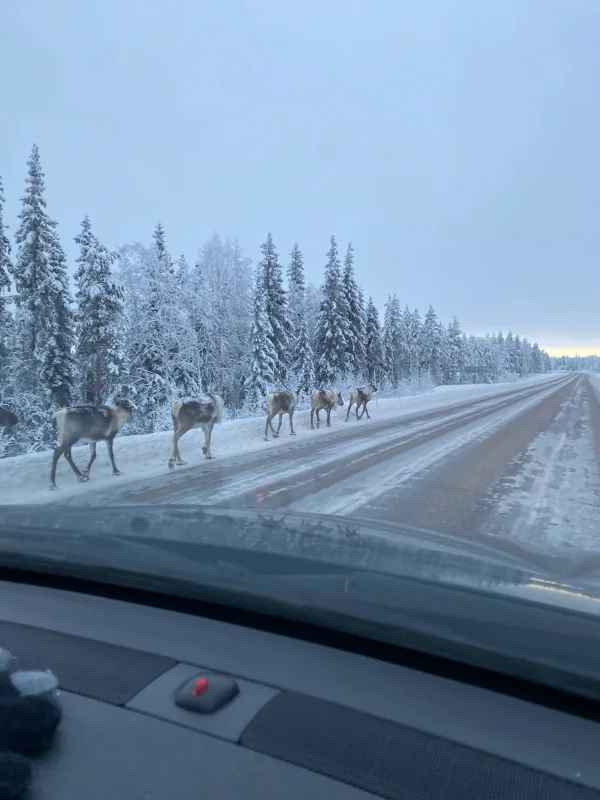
512,460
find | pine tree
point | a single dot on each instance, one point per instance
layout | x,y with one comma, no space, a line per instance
99,309
263,364
44,322
356,320
332,334
373,346
5,315
276,306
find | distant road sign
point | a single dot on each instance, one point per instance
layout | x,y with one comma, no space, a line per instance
479,370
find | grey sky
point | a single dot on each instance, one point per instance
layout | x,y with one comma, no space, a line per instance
455,142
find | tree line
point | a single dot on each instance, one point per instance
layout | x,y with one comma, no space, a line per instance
136,323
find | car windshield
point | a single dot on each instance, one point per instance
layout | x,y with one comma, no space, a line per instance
320,267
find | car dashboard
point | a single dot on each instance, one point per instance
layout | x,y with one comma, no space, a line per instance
163,704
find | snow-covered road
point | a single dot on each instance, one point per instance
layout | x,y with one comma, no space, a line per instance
518,461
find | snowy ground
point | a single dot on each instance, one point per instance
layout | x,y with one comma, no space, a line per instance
24,479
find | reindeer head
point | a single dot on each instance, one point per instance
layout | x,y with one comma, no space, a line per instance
339,399
126,409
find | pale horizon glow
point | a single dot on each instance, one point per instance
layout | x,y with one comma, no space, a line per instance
571,351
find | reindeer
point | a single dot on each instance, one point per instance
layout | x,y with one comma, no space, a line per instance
7,418
360,397
324,400
195,412
88,424
280,403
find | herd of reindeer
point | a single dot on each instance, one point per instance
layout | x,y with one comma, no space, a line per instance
93,424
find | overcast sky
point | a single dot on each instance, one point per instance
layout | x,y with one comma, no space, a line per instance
456,143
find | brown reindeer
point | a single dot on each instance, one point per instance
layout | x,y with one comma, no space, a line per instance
7,418
324,400
195,412
280,403
360,397
88,424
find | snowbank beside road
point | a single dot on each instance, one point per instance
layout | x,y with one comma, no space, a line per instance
24,479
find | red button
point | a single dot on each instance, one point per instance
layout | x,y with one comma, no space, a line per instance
200,687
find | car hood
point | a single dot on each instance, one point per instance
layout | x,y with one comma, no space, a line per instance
173,537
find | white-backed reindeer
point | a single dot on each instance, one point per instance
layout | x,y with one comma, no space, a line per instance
360,397
280,403
195,412
324,400
90,425
7,418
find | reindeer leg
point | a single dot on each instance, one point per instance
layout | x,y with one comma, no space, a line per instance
312,413
291,416
367,411
207,437
348,412
111,455
270,424
329,418
55,456
176,458
86,471
73,465
276,433
318,419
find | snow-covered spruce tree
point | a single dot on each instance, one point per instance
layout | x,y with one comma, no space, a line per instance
276,306
302,357
332,333
362,313
58,366
391,340
304,365
160,248
99,299
536,359
373,345
356,317
182,275
153,339
431,345
517,360
454,363
223,298
43,374
312,304
263,357
509,352
238,324
6,320
296,291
